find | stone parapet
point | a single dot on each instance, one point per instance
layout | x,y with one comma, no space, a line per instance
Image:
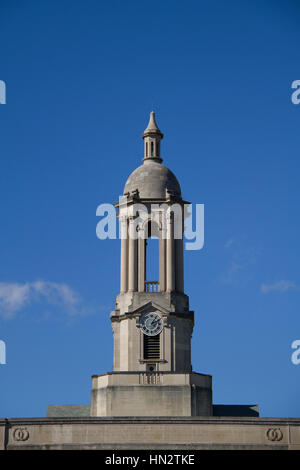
150,433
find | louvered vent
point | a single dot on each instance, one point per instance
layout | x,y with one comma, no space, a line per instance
152,347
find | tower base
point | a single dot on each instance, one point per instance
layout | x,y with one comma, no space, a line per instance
151,394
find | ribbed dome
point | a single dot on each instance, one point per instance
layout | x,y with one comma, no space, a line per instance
151,180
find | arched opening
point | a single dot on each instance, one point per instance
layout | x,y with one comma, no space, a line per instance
152,259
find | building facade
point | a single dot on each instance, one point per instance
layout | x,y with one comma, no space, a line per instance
152,399
152,323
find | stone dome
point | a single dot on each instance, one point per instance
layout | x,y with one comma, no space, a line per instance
151,180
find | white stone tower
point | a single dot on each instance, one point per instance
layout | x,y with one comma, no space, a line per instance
152,323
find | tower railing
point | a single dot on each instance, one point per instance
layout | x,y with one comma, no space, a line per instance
151,286
153,378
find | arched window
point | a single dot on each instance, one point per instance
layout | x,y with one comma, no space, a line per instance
151,149
146,149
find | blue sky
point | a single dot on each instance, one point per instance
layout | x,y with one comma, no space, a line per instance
81,78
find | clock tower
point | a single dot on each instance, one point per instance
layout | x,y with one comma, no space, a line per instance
152,323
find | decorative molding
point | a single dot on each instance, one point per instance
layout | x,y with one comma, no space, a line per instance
20,434
152,378
274,434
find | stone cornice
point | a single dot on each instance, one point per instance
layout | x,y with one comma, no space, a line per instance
152,420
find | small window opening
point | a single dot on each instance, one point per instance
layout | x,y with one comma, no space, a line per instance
152,347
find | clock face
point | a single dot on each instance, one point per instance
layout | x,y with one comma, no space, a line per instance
151,323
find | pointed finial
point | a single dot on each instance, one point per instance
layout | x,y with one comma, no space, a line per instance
152,137
152,127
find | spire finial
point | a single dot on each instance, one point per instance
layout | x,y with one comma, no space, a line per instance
152,136
152,127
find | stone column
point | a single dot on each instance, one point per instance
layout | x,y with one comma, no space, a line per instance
162,262
141,263
179,276
170,265
132,259
124,254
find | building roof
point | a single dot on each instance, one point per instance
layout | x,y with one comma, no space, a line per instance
151,180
